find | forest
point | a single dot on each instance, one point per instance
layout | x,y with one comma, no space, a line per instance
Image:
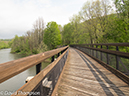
5,43
96,22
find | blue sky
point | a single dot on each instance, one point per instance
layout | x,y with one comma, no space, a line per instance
18,16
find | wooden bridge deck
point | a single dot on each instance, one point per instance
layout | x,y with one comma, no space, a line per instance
83,76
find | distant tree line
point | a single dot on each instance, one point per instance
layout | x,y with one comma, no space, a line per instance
5,43
5,39
97,22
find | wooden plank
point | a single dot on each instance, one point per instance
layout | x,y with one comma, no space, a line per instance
59,79
95,80
122,76
12,68
28,87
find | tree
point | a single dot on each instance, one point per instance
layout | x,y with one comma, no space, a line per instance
87,15
32,42
122,9
119,23
75,22
95,18
67,32
52,36
38,30
4,44
15,45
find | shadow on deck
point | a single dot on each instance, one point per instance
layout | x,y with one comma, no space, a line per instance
84,76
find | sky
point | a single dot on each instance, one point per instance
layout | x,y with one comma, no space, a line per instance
18,16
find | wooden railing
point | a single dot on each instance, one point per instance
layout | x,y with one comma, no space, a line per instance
50,73
110,56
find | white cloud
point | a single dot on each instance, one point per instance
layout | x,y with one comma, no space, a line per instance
18,16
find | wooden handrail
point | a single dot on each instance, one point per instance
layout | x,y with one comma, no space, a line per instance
12,68
108,44
28,87
113,70
93,52
118,53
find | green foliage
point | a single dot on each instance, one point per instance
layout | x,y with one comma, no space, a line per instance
42,47
74,32
52,36
4,44
96,23
119,23
22,45
32,42
67,34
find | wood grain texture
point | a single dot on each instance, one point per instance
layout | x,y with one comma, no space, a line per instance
12,68
28,87
59,79
83,76
124,77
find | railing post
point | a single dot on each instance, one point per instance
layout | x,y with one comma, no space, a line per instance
58,54
92,51
96,52
117,62
101,54
62,51
52,58
107,57
38,68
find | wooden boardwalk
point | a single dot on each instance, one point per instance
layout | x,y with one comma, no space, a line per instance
83,76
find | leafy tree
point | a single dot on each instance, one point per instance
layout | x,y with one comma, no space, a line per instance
4,44
94,17
122,9
74,32
32,42
52,36
67,34
15,45
119,23
75,22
